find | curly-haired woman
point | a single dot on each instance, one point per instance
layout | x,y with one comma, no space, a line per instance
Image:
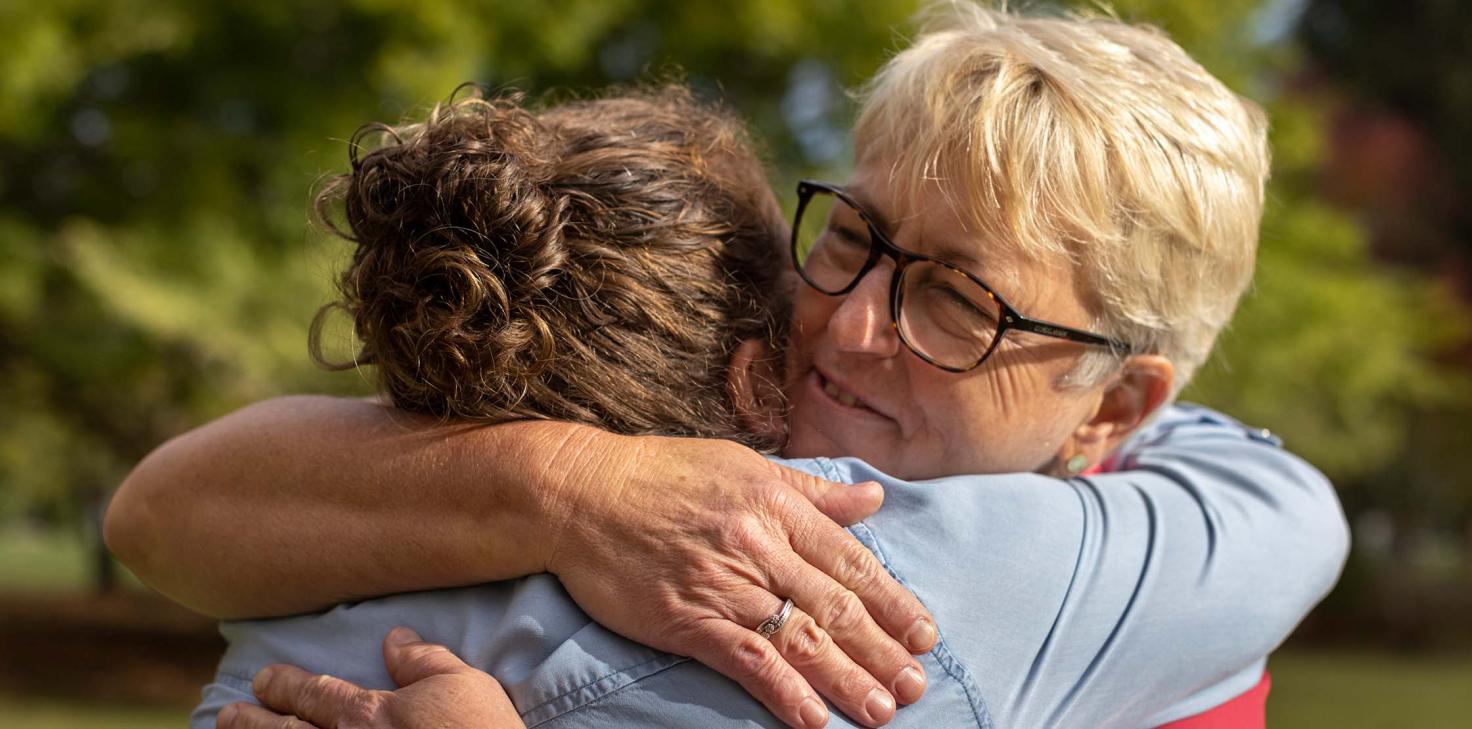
1049,222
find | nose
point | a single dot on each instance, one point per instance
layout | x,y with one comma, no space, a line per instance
861,324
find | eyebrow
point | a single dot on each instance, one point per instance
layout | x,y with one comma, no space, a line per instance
955,256
946,251
1006,276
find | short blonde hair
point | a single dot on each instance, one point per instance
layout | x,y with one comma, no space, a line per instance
1088,140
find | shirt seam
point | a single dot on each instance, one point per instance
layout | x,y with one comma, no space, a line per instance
243,683
626,671
609,694
941,652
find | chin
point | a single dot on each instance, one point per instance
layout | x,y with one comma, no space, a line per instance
805,440
808,440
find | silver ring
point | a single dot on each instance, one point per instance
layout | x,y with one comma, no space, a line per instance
775,623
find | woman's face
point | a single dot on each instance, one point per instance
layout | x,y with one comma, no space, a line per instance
855,389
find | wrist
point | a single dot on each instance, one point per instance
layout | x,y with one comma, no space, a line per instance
583,471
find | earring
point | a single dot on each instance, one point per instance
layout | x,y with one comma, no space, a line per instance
1077,464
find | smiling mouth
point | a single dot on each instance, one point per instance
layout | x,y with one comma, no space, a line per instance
839,395
843,397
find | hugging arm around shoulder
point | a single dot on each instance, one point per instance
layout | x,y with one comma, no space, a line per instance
1125,599
1130,598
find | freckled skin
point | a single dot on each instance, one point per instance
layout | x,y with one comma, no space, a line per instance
1007,415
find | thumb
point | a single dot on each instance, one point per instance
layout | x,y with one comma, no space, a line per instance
842,503
410,660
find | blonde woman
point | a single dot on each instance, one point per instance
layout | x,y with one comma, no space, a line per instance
1049,221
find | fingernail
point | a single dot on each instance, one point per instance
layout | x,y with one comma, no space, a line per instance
880,705
909,685
402,635
227,714
263,677
813,713
921,636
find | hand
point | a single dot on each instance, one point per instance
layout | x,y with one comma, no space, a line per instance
437,690
687,545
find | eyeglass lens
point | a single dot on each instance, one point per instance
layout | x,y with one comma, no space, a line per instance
943,314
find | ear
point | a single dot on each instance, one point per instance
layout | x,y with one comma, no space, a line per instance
1126,403
755,386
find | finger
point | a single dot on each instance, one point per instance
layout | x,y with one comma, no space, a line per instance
808,648
839,555
410,660
321,700
745,657
843,503
843,617
249,716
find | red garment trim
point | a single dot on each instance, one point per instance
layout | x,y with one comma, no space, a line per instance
1247,711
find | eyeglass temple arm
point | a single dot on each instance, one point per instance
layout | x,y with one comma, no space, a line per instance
1048,329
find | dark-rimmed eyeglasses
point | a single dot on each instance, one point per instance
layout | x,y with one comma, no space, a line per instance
944,314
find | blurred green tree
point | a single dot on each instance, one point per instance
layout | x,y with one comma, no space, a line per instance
157,268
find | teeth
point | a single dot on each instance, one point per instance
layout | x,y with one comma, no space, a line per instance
840,395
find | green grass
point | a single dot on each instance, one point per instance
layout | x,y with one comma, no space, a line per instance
1363,690
16,713
1339,689
1342,690
47,560
33,559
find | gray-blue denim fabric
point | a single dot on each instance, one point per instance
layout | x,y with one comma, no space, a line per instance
1124,599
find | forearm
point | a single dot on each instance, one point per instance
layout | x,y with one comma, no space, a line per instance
302,502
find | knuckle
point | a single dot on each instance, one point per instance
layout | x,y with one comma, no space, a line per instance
807,641
422,655
855,684
745,535
752,656
323,691
320,684
314,693
844,612
779,499
855,567
361,712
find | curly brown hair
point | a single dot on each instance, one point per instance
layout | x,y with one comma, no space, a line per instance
597,261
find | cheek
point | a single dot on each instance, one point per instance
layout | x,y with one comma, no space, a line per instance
1006,417
812,310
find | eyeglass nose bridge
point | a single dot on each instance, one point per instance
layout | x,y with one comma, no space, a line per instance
881,247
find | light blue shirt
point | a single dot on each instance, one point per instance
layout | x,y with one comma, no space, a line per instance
1127,599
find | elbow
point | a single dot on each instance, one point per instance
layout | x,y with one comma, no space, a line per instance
1309,556
147,527
129,527
1325,538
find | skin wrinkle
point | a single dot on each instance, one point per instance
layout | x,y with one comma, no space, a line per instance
932,415
1129,122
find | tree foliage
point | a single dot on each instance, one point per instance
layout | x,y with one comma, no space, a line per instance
157,268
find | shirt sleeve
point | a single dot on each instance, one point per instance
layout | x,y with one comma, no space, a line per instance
1129,598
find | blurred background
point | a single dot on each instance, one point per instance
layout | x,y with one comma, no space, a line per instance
157,270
